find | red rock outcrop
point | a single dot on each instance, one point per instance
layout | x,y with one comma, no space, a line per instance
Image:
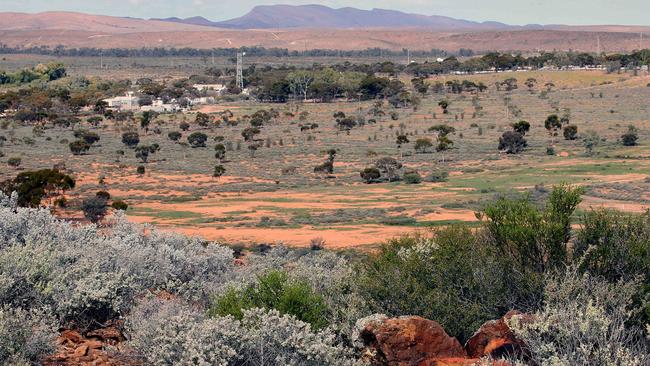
495,338
101,347
409,341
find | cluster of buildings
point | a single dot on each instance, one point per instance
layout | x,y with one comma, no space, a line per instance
131,102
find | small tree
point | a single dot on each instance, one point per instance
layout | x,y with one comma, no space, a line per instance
390,167
202,119
220,152
249,133
130,139
630,137
174,136
219,171
197,139
328,166
146,118
590,141
512,142
89,137
444,105
530,84
553,124
570,132
370,175
423,145
94,208
522,127
79,147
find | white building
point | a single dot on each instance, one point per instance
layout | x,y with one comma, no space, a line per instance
126,102
202,101
214,87
160,107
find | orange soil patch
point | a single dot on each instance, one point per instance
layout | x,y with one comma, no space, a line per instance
342,237
626,206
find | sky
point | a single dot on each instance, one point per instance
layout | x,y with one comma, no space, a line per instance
515,12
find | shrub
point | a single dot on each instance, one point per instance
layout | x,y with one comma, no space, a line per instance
570,132
630,137
140,170
14,162
25,336
79,147
370,175
219,171
130,139
438,176
172,333
512,142
90,137
103,195
105,269
94,208
550,150
423,145
197,139
448,276
184,126
583,322
174,136
274,290
412,178
521,127
120,205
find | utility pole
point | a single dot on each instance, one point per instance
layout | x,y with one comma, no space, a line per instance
408,53
240,70
598,47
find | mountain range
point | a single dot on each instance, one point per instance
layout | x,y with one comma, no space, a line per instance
319,16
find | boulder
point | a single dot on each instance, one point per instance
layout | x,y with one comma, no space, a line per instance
495,338
408,341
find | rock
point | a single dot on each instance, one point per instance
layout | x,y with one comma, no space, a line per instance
71,335
495,338
81,350
105,334
407,341
94,344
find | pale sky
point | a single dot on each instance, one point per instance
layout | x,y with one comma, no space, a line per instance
516,12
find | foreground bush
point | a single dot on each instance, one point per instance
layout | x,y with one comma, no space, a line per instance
86,276
448,277
584,322
169,333
25,336
274,290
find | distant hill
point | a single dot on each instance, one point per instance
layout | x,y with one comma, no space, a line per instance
192,21
62,20
319,16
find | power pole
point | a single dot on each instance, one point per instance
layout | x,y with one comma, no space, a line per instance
240,70
408,53
598,47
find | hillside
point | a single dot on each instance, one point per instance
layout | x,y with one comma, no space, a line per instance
86,22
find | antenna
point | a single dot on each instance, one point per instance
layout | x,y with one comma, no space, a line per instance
240,70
